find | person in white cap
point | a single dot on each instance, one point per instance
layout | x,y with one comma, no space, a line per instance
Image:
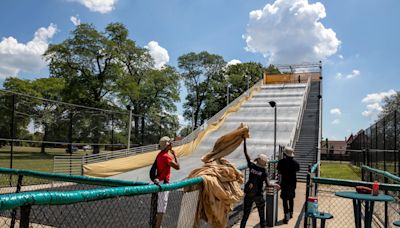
164,161
287,168
253,189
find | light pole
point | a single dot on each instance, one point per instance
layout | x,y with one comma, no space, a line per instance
273,105
129,126
247,83
161,118
227,93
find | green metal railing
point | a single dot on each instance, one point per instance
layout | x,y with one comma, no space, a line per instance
68,178
384,213
12,201
385,174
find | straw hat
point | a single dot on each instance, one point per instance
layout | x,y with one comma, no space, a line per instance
288,151
164,142
261,160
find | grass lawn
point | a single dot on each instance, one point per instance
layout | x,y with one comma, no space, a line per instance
343,170
31,158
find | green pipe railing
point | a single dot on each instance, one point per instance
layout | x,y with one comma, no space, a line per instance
314,167
69,178
12,201
382,172
352,183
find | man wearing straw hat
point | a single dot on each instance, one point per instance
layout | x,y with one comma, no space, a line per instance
287,168
254,187
164,162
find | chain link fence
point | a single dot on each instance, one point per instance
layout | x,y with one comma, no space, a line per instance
379,145
324,189
54,200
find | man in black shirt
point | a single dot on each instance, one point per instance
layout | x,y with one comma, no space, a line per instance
287,168
254,187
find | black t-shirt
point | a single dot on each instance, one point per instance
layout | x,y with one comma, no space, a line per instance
288,167
257,176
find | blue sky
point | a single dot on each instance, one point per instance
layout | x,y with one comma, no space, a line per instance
358,41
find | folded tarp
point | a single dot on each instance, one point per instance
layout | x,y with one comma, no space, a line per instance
220,192
126,164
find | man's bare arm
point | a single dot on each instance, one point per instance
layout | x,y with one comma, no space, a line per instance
175,163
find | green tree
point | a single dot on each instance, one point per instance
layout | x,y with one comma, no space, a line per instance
391,104
271,69
147,90
43,113
199,70
88,63
237,76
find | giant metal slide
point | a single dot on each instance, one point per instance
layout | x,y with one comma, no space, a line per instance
259,116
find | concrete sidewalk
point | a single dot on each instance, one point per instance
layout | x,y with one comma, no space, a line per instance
296,221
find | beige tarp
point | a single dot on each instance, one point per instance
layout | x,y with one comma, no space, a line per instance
227,144
122,165
221,191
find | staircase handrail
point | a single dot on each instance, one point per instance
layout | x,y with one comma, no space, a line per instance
296,131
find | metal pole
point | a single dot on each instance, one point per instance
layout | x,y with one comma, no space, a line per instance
308,185
142,130
112,132
275,133
129,130
193,118
70,133
12,129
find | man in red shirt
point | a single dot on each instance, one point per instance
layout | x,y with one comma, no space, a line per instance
164,163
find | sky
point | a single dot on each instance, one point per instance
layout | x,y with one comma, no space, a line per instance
357,41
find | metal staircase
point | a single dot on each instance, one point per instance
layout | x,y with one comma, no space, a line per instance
306,146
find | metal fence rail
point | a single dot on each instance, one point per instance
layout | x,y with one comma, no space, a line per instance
131,206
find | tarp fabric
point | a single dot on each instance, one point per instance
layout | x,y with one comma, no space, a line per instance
220,191
122,165
227,143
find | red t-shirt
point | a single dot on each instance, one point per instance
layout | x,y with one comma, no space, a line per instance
163,167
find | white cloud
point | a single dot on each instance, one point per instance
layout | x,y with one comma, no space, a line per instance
159,54
336,121
353,74
75,20
378,97
336,111
373,102
16,57
233,62
290,31
101,6
340,56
